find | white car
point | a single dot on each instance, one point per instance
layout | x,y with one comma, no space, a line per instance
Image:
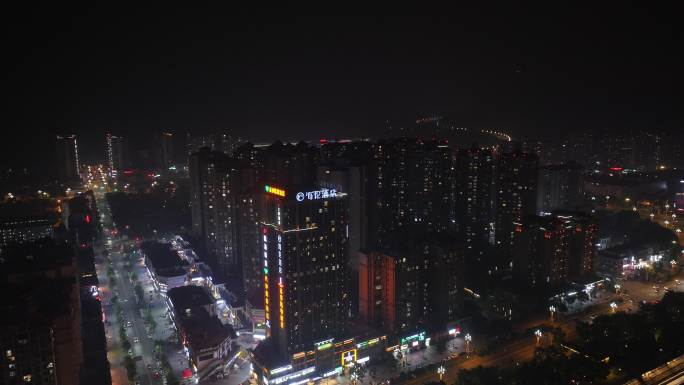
136,340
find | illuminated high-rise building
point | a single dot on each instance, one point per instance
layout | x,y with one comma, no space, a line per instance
68,165
560,187
303,242
475,196
516,195
550,250
411,182
540,252
414,284
115,153
166,150
212,178
581,232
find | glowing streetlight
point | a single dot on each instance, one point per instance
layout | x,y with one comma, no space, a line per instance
468,339
440,372
613,306
552,311
538,333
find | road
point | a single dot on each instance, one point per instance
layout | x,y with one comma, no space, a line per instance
126,295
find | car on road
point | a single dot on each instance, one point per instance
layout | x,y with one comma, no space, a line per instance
130,352
136,340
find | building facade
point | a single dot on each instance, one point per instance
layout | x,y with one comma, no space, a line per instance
516,194
306,281
68,163
560,187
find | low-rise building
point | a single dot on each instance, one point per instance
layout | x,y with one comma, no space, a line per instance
207,339
624,262
167,269
327,359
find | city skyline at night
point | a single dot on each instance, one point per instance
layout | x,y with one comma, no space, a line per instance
479,196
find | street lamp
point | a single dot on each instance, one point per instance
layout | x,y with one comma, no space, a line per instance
468,338
441,372
552,311
538,334
613,306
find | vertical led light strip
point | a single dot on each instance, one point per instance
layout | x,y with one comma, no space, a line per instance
281,284
266,305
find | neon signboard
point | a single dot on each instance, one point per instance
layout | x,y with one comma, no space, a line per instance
267,313
281,284
323,193
274,190
348,358
419,337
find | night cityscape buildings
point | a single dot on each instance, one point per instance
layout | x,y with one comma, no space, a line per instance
193,196
68,165
115,153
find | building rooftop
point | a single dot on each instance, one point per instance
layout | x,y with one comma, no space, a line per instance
162,256
203,330
267,355
28,210
34,258
37,303
189,297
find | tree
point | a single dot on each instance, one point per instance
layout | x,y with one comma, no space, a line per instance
478,376
139,293
129,364
126,345
131,369
440,345
149,318
358,371
171,379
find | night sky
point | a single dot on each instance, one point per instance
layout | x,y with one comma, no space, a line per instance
268,76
